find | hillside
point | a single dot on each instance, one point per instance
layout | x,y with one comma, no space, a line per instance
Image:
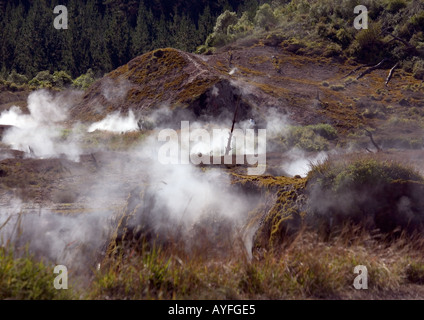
264,73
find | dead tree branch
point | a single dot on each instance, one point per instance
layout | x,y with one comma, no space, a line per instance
369,134
228,148
389,77
406,43
357,69
369,70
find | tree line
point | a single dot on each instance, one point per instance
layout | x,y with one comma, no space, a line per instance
101,34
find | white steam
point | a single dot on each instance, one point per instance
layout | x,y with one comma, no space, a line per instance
300,164
116,123
40,132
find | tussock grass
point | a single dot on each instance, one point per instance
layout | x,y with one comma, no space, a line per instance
306,267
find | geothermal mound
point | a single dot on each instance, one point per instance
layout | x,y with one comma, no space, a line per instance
165,77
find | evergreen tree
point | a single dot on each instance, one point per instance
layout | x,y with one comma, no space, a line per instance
161,33
141,40
117,35
12,21
25,58
101,34
249,6
205,26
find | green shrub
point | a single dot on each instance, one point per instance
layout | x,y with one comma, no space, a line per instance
394,6
265,17
13,87
225,20
17,78
337,87
44,76
332,50
84,80
344,37
325,130
312,137
340,175
242,27
35,82
418,69
377,194
220,35
417,21
415,273
368,45
61,79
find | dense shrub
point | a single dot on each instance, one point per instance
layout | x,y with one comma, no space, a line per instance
368,45
312,137
61,79
265,17
17,78
378,194
417,21
220,35
242,27
418,69
44,76
84,80
394,6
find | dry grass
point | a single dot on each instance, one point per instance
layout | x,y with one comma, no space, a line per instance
305,267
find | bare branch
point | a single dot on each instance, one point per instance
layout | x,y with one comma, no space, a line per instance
369,134
369,70
357,69
406,43
389,77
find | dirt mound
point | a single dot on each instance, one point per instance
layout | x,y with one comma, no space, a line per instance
162,77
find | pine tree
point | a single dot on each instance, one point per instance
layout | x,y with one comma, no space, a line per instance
12,22
249,6
80,21
205,26
101,34
25,58
161,34
117,35
141,38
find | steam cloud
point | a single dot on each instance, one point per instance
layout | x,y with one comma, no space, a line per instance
181,196
41,130
300,164
116,123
